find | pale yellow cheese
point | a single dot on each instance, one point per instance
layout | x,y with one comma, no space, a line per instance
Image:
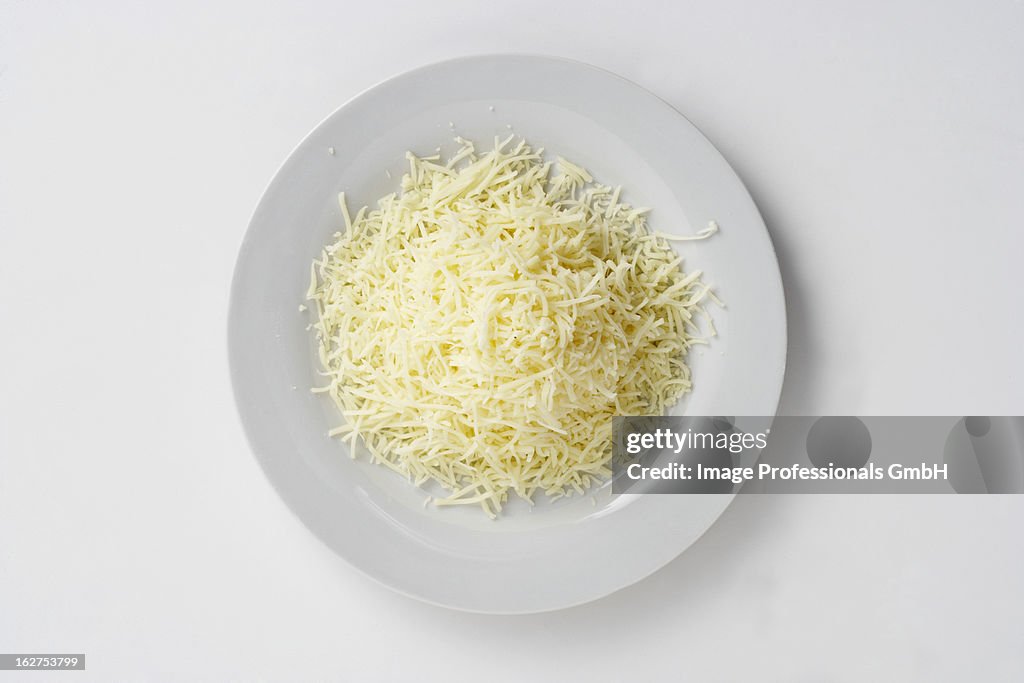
481,327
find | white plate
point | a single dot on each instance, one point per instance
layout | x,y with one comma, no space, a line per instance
555,555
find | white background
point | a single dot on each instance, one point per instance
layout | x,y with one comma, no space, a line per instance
884,145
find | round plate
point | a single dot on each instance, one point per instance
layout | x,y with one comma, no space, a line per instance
552,555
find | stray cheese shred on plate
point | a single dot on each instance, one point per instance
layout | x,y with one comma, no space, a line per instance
481,327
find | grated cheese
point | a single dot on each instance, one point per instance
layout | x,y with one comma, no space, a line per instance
480,328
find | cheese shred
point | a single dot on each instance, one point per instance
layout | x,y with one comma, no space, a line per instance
480,328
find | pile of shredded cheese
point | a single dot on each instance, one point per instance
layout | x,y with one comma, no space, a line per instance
481,327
